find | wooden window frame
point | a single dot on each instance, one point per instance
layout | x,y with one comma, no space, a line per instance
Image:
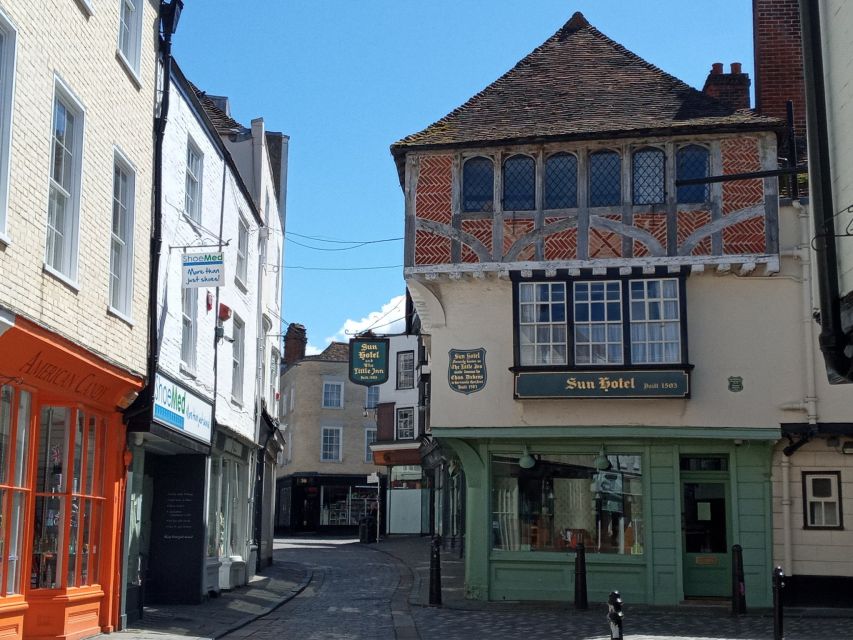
806,475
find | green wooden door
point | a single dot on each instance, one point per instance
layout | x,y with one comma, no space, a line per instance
706,533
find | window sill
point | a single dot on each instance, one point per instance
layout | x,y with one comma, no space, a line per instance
335,408
68,282
236,402
564,368
112,311
241,285
187,371
5,240
86,8
195,224
132,73
332,461
811,527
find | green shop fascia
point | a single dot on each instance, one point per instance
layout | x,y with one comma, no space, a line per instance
658,510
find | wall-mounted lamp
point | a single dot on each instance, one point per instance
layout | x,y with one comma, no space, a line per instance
526,461
170,14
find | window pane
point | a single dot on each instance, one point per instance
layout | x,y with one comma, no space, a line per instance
821,487
561,181
6,397
605,180
519,184
22,443
648,176
830,514
16,541
478,185
692,162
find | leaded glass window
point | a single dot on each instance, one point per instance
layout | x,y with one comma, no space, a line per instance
542,323
692,162
655,322
478,180
648,176
598,322
605,179
519,182
561,181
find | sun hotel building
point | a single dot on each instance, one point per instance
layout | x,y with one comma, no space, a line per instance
621,349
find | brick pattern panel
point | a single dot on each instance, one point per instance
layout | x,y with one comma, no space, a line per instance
654,223
433,200
562,245
690,221
605,244
740,155
480,229
431,249
515,229
744,237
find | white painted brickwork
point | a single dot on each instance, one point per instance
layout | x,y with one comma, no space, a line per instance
58,38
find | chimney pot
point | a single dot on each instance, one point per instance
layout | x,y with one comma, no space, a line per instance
736,67
716,68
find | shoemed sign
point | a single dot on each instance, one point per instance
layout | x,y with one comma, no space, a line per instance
203,270
368,361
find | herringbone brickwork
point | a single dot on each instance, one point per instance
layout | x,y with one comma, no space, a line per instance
744,237
562,245
480,229
434,195
740,155
431,249
690,221
654,223
605,244
515,229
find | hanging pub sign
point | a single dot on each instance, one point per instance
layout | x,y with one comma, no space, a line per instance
466,370
602,384
368,360
203,270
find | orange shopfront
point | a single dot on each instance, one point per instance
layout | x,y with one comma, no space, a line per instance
62,470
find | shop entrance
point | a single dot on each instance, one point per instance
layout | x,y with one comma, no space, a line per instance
706,527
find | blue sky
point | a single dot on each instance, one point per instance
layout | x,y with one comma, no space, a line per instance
346,78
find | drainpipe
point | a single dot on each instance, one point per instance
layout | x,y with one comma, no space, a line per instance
833,341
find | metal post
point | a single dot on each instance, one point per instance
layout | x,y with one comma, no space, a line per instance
778,586
614,615
435,572
581,602
738,586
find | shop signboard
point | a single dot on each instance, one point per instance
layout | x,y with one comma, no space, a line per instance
466,370
203,270
368,361
178,408
602,384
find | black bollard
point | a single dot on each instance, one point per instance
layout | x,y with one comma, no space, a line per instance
778,586
435,572
615,616
738,586
581,602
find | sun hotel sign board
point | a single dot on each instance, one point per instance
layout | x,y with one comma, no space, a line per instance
203,270
368,361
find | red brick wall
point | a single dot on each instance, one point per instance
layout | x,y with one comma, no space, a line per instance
480,229
655,224
603,243
433,201
740,155
688,222
562,245
513,230
778,59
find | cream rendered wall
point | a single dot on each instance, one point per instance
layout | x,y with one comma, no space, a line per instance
748,326
837,29
60,38
814,552
306,419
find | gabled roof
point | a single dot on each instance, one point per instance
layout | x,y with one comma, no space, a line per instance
580,84
335,352
222,121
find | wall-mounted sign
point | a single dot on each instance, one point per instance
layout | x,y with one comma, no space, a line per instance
203,270
466,370
178,408
368,361
735,384
602,384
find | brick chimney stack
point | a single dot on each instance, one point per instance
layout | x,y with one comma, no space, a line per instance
779,60
294,343
731,89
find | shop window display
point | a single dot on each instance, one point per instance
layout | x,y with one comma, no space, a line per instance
15,407
68,501
342,505
566,499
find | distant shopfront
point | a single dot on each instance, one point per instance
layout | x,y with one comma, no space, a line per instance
324,504
657,516
62,467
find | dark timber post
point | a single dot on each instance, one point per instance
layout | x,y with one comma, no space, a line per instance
435,572
615,616
580,579
778,586
738,587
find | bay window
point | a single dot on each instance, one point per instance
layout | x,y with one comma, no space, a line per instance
597,322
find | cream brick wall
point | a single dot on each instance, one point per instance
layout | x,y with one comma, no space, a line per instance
59,38
306,419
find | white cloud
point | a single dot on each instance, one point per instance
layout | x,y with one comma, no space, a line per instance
391,318
311,350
